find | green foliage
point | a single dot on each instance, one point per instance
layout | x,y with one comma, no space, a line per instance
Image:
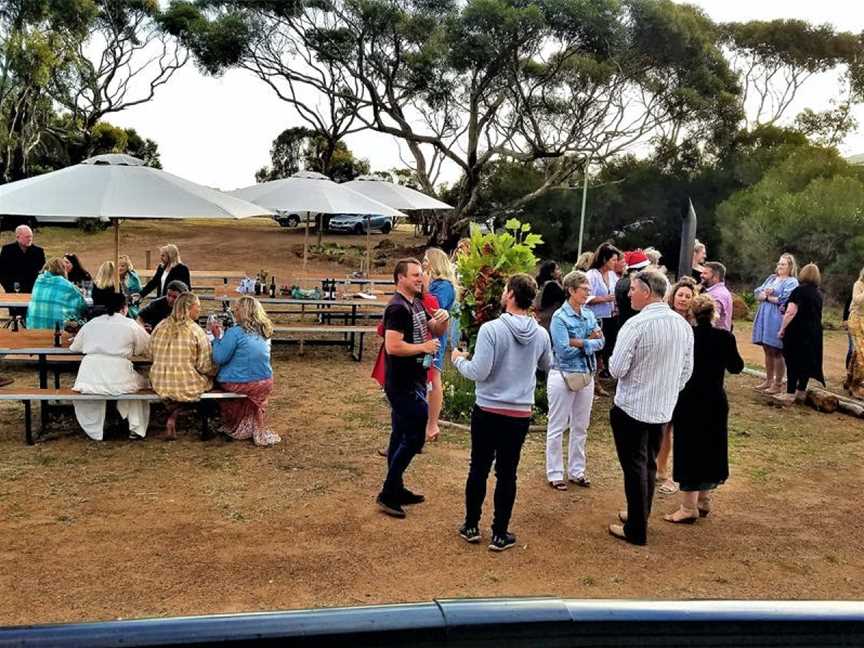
459,398
486,265
301,148
811,203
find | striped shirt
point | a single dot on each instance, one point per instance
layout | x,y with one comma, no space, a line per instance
653,360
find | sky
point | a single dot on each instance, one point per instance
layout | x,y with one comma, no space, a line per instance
218,131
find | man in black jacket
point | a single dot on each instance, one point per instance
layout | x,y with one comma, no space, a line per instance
20,263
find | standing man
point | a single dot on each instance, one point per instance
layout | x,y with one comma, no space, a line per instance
20,263
714,280
410,338
509,351
653,360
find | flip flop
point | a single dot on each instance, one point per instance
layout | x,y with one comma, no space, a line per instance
560,485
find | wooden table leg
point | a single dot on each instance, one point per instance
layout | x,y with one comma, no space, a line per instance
43,384
28,423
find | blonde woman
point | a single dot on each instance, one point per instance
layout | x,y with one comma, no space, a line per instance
170,269
243,355
584,261
182,361
103,286
855,371
700,253
772,296
130,285
443,286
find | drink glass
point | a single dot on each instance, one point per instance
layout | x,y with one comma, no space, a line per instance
16,287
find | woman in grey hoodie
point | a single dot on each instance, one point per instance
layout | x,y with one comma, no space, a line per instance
509,350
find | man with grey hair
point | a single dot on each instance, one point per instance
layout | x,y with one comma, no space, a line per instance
714,280
20,262
653,360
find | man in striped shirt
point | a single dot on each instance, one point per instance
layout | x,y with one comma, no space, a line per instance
653,360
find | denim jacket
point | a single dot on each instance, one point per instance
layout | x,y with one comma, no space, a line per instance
567,324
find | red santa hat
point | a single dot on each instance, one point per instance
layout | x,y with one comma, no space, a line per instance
636,260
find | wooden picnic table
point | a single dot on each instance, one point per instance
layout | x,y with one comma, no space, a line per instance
320,306
14,300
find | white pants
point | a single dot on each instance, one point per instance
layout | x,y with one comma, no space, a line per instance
91,416
566,409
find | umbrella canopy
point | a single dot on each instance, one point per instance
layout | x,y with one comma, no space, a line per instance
392,194
118,186
114,187
312,192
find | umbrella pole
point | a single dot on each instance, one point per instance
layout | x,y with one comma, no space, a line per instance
369,254
116,222
305,244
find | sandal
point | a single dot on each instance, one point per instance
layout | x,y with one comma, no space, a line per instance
559,485
668,487
682,516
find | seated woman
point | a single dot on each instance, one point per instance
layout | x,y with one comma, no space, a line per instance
130,285
108,343
243,355
55,300
103,287
75,271
182,367
170,269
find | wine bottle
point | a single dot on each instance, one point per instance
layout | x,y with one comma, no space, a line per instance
272,285
56,334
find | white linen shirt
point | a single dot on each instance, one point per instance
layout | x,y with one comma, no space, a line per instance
652,360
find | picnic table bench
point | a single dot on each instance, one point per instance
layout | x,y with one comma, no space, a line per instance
327,310
29,395
202,275
352,338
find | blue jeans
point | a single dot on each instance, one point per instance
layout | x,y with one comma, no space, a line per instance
409,412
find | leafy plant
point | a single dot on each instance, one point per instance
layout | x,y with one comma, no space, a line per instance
486,265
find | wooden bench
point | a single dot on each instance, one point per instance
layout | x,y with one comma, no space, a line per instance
29,395
352,336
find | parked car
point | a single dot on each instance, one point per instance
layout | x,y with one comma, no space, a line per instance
286,220
356,223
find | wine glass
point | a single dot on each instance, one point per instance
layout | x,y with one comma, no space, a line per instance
16,287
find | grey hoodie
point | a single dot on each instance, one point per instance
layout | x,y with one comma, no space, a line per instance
509,350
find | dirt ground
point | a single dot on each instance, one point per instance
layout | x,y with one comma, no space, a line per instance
118,529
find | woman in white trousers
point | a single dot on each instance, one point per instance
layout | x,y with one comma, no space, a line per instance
576,337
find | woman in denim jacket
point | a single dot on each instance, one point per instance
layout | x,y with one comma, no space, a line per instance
576,337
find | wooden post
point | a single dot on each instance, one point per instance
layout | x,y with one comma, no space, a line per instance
116,254
320,221
147,259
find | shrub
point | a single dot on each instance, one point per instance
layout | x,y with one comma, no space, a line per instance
91,225
485,267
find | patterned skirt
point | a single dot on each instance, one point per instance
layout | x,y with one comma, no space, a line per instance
245,418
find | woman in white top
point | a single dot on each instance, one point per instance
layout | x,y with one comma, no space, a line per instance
108,343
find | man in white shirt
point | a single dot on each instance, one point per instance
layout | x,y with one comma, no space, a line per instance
653,360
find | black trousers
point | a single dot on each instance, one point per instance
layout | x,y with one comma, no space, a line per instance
408,415
497,438
796,378
637,445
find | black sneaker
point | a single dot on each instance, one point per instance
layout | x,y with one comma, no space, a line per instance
407,497
470,533
502,542
390,506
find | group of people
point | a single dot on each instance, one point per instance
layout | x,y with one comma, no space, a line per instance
111,330
665,347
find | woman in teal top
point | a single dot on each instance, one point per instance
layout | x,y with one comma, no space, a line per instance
55,300
243,355
130,285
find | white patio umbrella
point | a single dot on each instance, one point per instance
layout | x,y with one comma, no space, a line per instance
392,194
308,191
116,187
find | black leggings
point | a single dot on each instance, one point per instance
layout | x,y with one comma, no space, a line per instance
610,327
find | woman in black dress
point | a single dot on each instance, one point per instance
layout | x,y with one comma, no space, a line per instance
801,332
701,415
550,294
170,269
